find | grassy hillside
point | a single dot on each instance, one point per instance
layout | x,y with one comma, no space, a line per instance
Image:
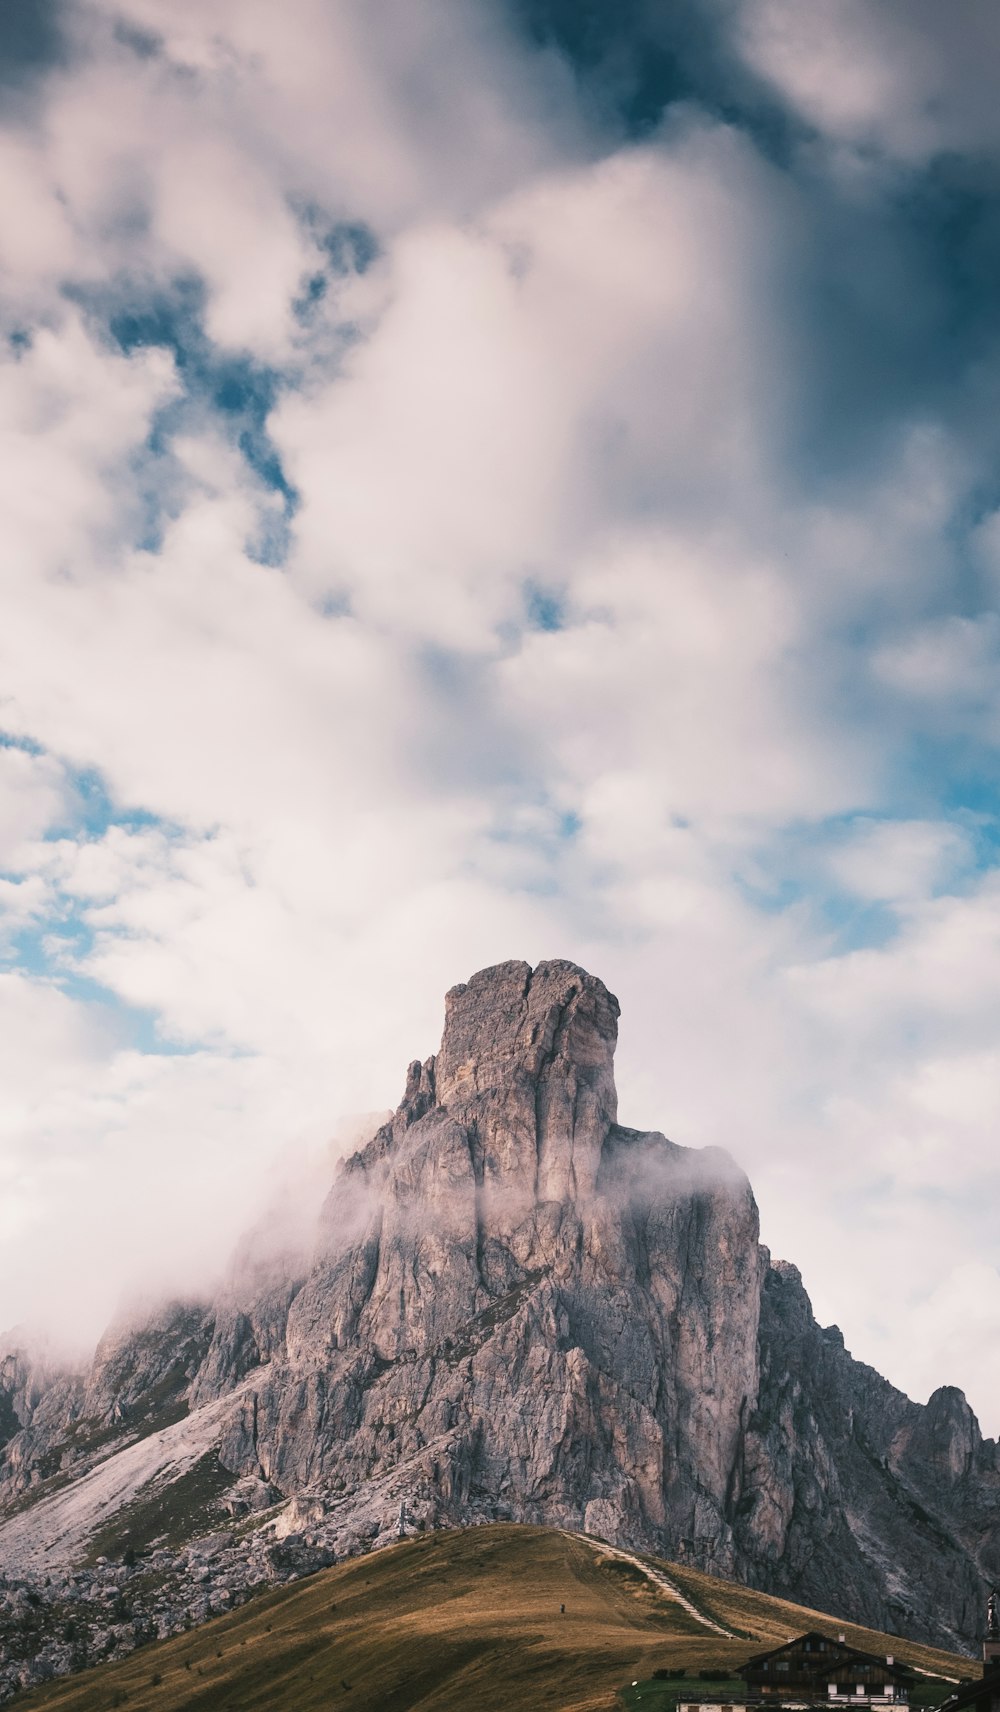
455,1621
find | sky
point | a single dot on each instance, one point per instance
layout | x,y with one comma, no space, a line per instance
490,479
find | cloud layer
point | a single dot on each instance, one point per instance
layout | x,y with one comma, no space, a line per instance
475,490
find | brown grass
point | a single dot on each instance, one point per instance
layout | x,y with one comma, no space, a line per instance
449,1623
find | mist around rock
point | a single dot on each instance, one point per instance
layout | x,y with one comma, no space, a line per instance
508,1307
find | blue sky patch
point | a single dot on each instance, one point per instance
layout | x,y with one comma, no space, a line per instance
235,390
544,608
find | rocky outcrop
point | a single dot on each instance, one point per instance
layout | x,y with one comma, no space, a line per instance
52,1421
250,1318
518,1308
38,1408
516,1301
867,1502
143,1372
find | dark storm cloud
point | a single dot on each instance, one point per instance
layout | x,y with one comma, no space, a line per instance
635,59
888,294
633,63
640,56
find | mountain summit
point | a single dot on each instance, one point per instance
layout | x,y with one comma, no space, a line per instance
516,1309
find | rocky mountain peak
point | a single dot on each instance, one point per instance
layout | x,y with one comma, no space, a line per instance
510,1021
518,1308
527,1061
947,1437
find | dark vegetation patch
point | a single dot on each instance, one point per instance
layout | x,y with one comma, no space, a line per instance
664,1691
474,1334
163,1405
165,1513
928,1691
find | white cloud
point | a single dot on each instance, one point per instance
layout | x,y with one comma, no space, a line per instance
949,662
33,795
683,671
37,241
70,413
535,375
900,860
362,775
904,77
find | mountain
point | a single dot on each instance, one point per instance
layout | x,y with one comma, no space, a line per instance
516,1309
494,1617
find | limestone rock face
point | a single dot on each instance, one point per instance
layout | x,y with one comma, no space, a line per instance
517,1305
250,1317
857,1496
146,1367
517,1308
39,1408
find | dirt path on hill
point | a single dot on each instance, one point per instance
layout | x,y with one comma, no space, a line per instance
661,1580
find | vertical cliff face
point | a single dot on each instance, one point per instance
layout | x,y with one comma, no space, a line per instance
517,1304
865,1500
518,1308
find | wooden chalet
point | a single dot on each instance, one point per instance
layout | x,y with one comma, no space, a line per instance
815,1667
864,1678
814,1670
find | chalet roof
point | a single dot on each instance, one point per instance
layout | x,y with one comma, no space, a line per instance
838,1654
797,1641
903,1672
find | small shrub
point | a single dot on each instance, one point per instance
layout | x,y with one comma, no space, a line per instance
156,1679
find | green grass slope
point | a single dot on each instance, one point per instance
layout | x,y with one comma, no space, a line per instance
455,1621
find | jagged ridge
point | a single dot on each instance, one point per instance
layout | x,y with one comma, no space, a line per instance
518,1308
